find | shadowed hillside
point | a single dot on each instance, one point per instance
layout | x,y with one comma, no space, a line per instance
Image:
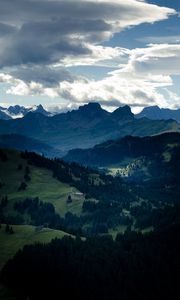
147,157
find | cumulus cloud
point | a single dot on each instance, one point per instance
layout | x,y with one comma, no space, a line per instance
40,39
99,56
155,59
137,83
125,89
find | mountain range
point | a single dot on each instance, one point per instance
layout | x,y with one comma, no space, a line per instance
85,127
157,113
150,112
17,111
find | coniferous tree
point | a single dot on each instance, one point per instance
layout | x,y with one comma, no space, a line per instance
11,231
22,186
27,170
19,167
7,228
69,199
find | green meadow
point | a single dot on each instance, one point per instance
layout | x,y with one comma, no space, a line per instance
42,185
23,235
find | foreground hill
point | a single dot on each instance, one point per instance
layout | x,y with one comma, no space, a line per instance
132,267
23,235
44,198
85,127
39,182
66,196
152,156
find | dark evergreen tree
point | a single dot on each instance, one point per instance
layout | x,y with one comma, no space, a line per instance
19,167
11,231
22,186
69,199
27,170
7,228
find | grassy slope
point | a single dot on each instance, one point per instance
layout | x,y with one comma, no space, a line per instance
10,244
24,234
42,184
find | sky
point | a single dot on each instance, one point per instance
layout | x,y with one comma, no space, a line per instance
68,53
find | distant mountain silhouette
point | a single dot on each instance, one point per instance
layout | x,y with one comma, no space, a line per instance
18,111
156,113
122,114
21,142
84,127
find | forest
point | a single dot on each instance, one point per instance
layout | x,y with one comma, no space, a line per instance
132,267
91,263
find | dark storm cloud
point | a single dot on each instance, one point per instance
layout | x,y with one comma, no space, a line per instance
6,29
45,75
46,31
141,95
21,10
110,103
62,29
29,49
40,43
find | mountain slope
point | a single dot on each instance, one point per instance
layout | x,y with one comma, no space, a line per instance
24,235
52,193
148,156
21,142
42,184
4,116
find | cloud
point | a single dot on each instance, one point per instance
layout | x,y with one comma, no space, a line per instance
6,30
100,56
47,76
6,78
41,39
173,99
136,83
156,59
134,91
47,32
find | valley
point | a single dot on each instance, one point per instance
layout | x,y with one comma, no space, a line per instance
37,192
121,193
89,149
